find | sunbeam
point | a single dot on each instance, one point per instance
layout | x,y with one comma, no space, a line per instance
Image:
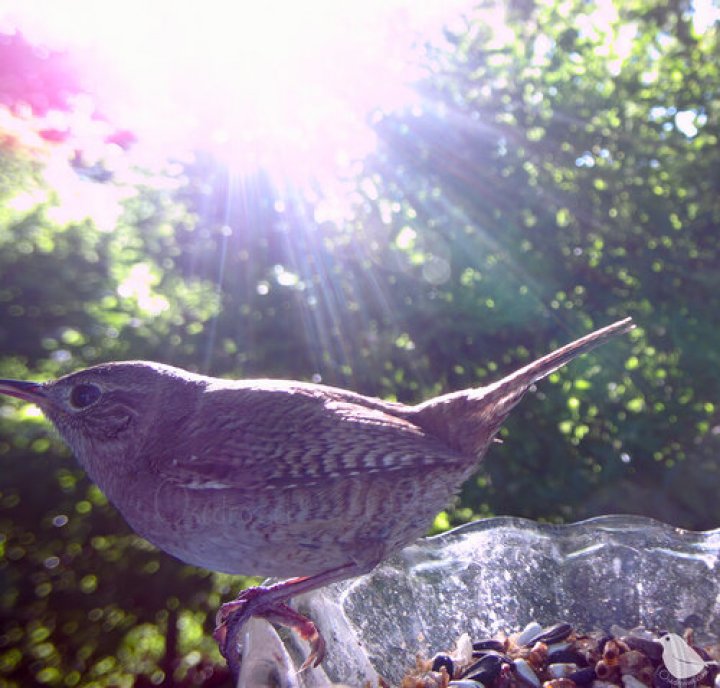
282,87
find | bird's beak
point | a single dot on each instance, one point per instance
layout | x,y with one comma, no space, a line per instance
33,392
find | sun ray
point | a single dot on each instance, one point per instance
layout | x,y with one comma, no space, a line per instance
281,86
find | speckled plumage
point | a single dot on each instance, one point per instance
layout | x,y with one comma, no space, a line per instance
272,477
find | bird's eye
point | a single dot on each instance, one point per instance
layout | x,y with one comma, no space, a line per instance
84,395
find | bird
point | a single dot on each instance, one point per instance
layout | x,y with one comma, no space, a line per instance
276,478
680,658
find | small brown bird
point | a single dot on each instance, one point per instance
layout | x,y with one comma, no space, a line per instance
275,477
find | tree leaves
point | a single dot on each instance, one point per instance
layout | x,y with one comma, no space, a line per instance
562,172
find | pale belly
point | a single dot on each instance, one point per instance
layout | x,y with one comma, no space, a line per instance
286,532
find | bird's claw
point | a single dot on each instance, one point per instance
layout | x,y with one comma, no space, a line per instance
232,616
308,631
229,619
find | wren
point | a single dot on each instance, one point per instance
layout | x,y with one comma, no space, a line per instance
274,477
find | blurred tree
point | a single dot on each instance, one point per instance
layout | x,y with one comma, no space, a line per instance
84,601
563,172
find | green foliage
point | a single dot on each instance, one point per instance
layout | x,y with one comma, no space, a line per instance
563,172
85,601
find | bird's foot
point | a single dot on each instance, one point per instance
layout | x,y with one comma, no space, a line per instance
263,602
270,603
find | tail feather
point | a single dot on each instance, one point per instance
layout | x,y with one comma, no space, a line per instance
469,419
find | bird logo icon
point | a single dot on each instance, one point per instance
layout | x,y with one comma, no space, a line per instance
681,660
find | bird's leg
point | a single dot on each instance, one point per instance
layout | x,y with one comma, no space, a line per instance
270,603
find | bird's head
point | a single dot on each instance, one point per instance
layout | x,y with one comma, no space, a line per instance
106,412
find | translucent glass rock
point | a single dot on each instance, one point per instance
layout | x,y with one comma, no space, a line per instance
495,575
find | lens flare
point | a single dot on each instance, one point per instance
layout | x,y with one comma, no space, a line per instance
285,87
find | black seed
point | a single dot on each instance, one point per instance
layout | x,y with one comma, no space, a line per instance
651,648
702,652
567,656
487,668
583,676
484,677
488,644
601,643
440,661
551,634
525,673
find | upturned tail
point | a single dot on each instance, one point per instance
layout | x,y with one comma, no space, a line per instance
469,419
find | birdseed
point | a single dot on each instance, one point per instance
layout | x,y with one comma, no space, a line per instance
560,656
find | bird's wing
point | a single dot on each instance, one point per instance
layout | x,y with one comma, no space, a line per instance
269,436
